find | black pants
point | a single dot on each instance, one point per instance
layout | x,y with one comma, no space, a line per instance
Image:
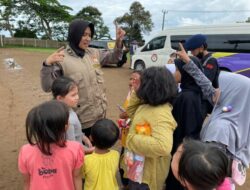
124,181
137,186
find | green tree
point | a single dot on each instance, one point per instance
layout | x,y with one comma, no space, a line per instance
248,19
136,22
94,16
7,15
25,30
49,16
25,33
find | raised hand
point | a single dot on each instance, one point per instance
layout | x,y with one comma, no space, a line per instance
55,57
120,33
183,54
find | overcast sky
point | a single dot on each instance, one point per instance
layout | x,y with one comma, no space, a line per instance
228,11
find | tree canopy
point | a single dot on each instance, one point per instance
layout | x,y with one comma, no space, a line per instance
94,16
7,16
47,17
136,22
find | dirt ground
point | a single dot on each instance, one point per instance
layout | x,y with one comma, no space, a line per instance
20,90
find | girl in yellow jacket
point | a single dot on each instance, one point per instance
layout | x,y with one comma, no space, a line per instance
151,104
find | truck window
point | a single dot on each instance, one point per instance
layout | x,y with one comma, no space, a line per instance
154,44
237,43
176,39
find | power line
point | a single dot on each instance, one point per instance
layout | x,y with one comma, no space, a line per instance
219,11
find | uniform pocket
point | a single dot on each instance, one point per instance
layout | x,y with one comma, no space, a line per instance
81,84
99,76
78,78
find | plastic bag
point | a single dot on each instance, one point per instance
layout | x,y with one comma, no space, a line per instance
135,165
135,162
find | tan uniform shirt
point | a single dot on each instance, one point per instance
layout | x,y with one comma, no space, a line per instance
87,74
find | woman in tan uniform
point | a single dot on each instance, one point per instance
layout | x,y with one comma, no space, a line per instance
83,64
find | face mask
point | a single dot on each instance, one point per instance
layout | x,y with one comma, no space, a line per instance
200,55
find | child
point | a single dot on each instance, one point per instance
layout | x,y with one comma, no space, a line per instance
123,122
64,89
151,105
134,81
100,167
195,165
49,161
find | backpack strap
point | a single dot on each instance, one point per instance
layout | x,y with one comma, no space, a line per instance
205,62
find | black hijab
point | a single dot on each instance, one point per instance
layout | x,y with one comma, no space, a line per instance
76,30
187,81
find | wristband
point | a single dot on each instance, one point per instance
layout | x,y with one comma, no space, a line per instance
45,64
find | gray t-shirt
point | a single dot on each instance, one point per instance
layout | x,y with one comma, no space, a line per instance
74,131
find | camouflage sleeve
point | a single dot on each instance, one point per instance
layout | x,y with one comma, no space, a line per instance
201,80
110,56
48,74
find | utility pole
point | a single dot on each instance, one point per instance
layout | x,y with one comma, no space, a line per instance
163,20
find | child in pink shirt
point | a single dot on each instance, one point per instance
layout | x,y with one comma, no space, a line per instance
49,161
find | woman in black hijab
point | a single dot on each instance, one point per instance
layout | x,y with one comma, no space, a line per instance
187,111
76,33
82,63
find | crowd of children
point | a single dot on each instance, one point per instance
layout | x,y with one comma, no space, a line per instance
154,126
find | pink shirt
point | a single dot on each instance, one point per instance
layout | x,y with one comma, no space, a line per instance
226,185
51,172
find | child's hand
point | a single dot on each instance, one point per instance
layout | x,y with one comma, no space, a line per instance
87,141
183,54
88,150
123,115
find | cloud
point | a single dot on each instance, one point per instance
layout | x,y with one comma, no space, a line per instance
189,21
175,16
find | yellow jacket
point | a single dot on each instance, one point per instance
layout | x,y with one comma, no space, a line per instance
157,147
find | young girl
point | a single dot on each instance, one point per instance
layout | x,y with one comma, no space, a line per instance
134,81
152,106
65,90
199,165
49,161
100,168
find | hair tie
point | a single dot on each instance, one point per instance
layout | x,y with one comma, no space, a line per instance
227,108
